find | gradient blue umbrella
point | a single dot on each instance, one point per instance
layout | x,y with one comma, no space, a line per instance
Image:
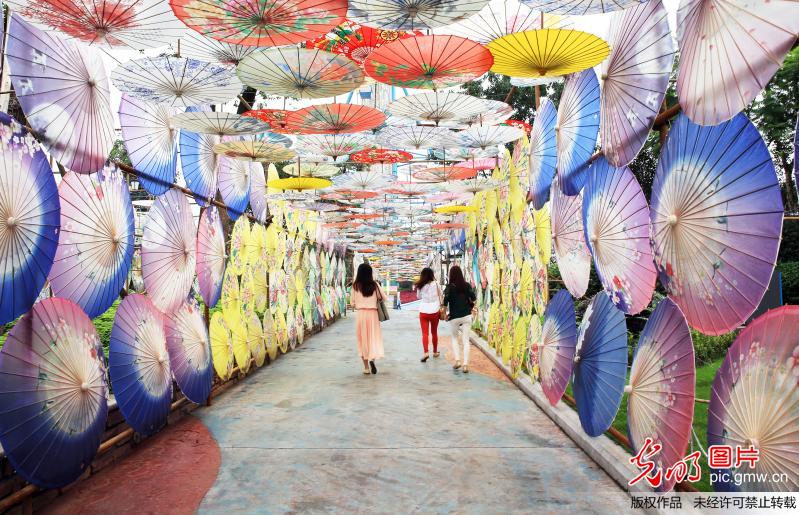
199,163
577,129
554,353
53,394
30,219
543,152
234,183
139,365
600,366
190,351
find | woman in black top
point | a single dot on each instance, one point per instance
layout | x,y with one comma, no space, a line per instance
459,297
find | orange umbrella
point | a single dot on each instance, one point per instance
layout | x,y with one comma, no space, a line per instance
276,118
381,156
334,119
364,216
445,173
448,226
356,41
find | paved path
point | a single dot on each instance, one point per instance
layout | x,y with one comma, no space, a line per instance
311,433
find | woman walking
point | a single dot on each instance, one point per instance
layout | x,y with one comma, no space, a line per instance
365,294
459,298
432,300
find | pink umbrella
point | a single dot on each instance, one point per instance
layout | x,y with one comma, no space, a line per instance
210,256
554,352
571,252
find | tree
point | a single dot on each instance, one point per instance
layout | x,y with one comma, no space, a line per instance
498,87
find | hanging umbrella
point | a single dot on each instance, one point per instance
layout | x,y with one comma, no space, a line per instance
531,82
446,173
168,251
189,351
254,151
275,118
554,351
355,41
255,338
634,79
196,46
716,231
579,7
436,106
239,241
416,137
136,24
600,365
498,18
429,62
494,112
95,246
53,394
138,364
238,339
221,346
220,124
210,256
234,184
299,183
306,169
480,164
261,22
542,228
543,153
300,73
270,338
475,185
729,50
577,129
571,252
334,145
546,52
199,164
150,141
64,92
616,226
410,189
380,156
520,124
334,119
488,136
368,180
412,14
176,81
660,402
753,402
258,195
30,222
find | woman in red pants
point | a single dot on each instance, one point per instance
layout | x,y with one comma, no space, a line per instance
430,293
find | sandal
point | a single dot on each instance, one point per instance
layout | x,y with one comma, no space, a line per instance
373,367
465,369
425,358
436,354
457,365
366,372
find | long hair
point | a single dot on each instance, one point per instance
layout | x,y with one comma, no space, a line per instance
456,279
425,276
364,282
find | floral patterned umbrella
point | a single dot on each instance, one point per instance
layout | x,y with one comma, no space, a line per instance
437,106
577,129
494,112
380,156
543,153
189,351
333,145
429,62
300,72
356,41
211,256
310,169
261,22
498,18
176,81
412,14
580,7
258,194
334,119
444,173
568,238
220,124
221,346
234,184
136,24
416,137
64,92
199,164
554,352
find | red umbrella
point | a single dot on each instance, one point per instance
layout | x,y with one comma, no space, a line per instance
333,119
448,226
520,124
356,41
445,173
429,62
380,156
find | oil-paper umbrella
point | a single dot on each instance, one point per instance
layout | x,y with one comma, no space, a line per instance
53,394
543,153
498,18
494,112
577,129
261,22
412,14
580,7
445,173
189,351
30,222
334,119
546,52
210,256
571,252
196,46
416,137
221,346
660,402
234,184
64,92
729,50
753,403
554,351
138,364
255,338
716,230
136,24
300,72
380,156
258,203
616,226
356,41
95,246
600,365
634,79
238,339
151,142
333,145
199,164
168,251
488,136
176,81
437,106
429,62
218,123
250,150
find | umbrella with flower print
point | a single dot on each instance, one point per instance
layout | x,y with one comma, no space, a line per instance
196,46
437,106
234,184
500,18
555,350
210,255
488,136
221,346
444,173
189,351
412,14
333,145
568,238
380,156
218,123
253,150
577,129
356,41
334,119
580,7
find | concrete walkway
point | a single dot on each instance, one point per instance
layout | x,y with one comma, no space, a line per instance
312,434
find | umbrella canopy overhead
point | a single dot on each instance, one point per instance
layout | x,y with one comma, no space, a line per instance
428,62
571,252
220,124
498,18
416,137
196,46
249,150
543,153
300,72
577,129
311,169
234,184
211,256
494,112
580,7
444,173
261,22
66,102
634,79
356,41
334,119
412,14
333,145
488,136
199,164
716,221
437,106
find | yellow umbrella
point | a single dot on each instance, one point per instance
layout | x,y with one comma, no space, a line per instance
272,175
281,332
221,346
270,338
299,183
534,342
230,299
255,338
453,209
543,233
519,344
547,52
239,241
238,338
247,290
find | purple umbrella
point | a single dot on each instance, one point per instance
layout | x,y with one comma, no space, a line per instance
555,351
189,351
577,129
571,252
210,256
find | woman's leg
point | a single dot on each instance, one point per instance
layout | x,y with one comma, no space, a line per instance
466,323
366,366
453,329
425,323
434,331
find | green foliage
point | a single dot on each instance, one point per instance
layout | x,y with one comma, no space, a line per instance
789,248
119,153
709,348
497,87
790,281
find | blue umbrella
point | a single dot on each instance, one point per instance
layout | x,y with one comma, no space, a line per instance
543,153
554,353
190,351
600,366
30,222
577,129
